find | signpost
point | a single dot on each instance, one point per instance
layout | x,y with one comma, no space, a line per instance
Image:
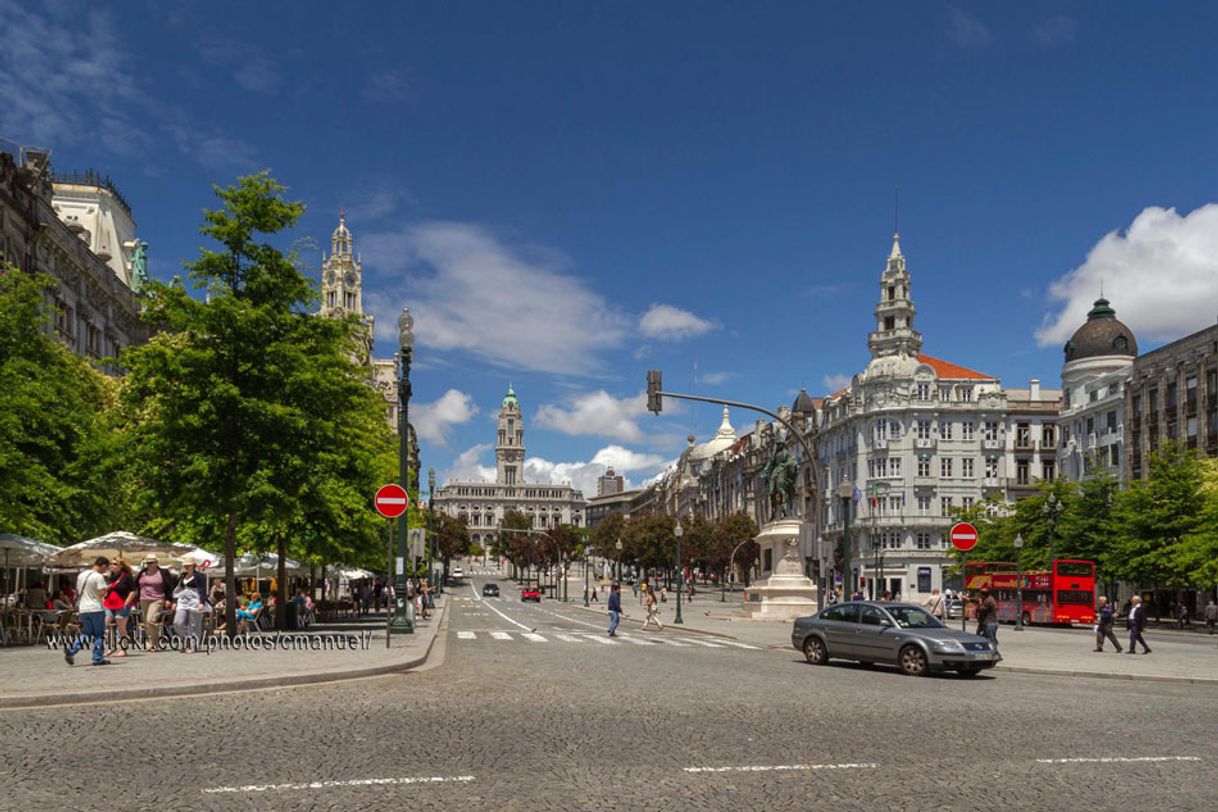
391,502
963,536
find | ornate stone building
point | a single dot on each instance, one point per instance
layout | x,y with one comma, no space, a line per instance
483,504
78,229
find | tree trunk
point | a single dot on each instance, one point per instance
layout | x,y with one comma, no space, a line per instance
230,580
281,593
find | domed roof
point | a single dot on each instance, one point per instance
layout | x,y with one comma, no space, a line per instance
1101,335
510,398
724,439
803,403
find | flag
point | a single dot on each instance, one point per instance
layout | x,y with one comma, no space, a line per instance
857,494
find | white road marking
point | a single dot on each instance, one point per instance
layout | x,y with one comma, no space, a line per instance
734,643
636,640
536,638
781,768
477,597
1115,759
501,635
672,642
697,642
567,638
466,635
361,782
508,619
604,640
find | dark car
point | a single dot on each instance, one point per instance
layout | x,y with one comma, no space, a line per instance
491,590
531,593
898,633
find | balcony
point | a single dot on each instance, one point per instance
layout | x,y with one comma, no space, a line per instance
879,442
991,444
1024,444
924,442
994,482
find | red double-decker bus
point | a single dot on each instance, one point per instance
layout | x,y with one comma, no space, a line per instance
1065,594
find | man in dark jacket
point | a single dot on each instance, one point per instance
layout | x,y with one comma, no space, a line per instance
1137,622
1105,619
987,617
615,608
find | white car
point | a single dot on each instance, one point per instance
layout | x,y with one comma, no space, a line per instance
458,572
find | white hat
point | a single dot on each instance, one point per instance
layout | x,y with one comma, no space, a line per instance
188,561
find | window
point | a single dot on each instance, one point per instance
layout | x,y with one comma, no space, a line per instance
923,391
1021,472
945,506
1110,422
1023,435
349,299
966,394
923,505
1171,395
966,430
967,502
894,466
1048,434
945,393
923,465
331,299
1153,400
1090,426
945,466
923,428
1114,453
896,504
922,541
991,467
1137,405
991,430
966,467
894,430
1093,396
945,430
846,613
881,430
1048,470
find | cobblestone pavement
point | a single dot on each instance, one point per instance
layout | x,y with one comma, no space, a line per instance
554,725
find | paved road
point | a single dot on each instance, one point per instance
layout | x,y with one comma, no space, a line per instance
547,717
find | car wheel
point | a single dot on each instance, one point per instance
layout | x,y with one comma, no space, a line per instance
814,651
971,671
913,662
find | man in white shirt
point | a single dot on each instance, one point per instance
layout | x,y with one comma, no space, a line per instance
90,590
935,604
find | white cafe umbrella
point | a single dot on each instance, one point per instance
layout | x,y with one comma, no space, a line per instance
257,566
20,551
118,544
354,574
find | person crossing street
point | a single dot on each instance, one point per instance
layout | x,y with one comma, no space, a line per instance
615,608
1137,622
1105,620
653,607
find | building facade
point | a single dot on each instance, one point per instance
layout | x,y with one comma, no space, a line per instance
482,505
610,483
81,233
912,438
1031,438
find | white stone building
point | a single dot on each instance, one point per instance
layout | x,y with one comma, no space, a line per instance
1031,438
914,437
483,504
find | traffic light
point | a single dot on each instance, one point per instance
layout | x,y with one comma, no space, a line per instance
654,402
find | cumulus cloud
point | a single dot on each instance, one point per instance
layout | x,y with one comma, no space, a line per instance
668,323
433,420
836,381
596,413
583,475
468,467
1161,275
471,291
716,378
966,30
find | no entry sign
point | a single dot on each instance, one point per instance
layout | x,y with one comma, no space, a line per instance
963,536
391,500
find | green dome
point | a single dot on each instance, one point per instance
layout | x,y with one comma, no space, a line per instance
510,398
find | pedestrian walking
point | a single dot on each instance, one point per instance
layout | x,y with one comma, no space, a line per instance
1211,616
190,601
987,617
1182,618
91,591
155,587
595,590
934,605
615,608
1105,620
653,607
1137,622
118,603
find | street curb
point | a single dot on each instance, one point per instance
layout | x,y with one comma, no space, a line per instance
110,695
1106,675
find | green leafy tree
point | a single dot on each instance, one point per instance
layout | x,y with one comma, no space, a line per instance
1200,547
1087,528
57,458
515,547
231,429
737,530
452,538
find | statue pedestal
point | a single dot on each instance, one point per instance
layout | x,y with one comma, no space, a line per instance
787,593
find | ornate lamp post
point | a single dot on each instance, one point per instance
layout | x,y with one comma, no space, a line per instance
586,582
1018,582
437,582
845,492
402,620
618,547
1053,510
679,531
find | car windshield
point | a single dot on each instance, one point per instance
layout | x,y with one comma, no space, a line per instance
911,617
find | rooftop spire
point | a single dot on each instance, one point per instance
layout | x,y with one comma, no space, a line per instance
896,245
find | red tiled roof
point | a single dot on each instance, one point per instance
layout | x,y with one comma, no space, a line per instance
950,371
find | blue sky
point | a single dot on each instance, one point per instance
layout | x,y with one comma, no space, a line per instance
569,194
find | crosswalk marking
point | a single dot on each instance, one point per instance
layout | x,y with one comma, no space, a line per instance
536,638
637,641
697,642
465,635
604,640
501,635
672,641
737,645
567,638
576,636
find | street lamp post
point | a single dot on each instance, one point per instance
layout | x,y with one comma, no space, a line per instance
586,583
679,531
845,492
402,622
1053,510
618,547
1018,582
438,583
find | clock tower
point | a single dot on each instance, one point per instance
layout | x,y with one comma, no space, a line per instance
509,451
342,279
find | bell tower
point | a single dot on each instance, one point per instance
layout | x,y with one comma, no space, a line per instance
894,315
509,450
342,279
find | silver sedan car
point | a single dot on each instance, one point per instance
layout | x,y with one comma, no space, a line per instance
906,636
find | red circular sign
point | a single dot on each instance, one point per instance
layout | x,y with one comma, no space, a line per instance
391,500
963,536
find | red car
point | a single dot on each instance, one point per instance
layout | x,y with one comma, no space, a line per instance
531,593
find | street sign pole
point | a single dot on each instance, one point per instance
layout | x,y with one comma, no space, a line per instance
963,536
392,502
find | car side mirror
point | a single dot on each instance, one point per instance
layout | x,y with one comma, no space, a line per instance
886,623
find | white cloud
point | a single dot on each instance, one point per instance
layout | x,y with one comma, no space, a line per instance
1057,30
716,378
596,413
668,323
250,68
583,475
467,467
1161,275
966,30
373,206
471,292
433,420
834,382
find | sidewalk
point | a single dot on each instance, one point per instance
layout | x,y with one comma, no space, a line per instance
38,676
1177,656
